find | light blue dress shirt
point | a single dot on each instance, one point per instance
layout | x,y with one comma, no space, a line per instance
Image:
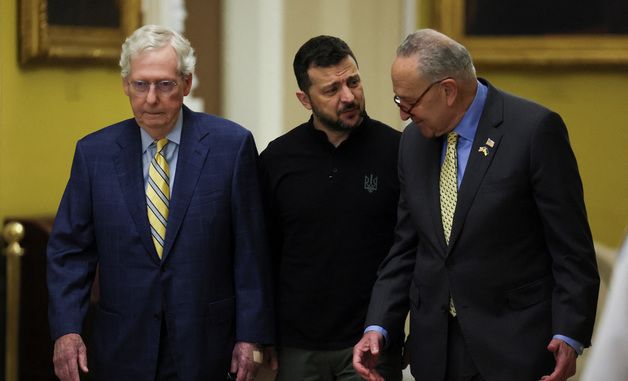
171,154
466,129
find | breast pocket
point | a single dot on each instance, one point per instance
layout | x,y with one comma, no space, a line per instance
530,294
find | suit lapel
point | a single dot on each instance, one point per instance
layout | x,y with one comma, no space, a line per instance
192,153
421,178
433,191
128,165
478,163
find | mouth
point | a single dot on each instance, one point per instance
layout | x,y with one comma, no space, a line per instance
350,111
153,113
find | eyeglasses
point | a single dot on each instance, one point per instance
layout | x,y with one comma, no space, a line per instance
407,110
164,86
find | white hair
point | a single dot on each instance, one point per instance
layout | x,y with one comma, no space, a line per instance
152,37
438,55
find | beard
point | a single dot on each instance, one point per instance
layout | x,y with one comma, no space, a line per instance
337,124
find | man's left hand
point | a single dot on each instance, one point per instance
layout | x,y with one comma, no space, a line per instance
565,357
244,362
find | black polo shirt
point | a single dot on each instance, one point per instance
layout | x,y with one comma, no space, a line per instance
332,213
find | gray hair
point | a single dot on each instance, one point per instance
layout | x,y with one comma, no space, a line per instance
438,56
153,37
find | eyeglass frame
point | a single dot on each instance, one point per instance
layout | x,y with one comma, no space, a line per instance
156,84
408,110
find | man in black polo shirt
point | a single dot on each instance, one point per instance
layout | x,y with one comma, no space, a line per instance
332,190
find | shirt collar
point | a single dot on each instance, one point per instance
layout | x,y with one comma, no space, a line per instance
467,127
174,135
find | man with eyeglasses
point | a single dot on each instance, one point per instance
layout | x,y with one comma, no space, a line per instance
332,190
166,209
493,254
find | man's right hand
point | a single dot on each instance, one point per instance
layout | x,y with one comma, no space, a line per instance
365,355
69,354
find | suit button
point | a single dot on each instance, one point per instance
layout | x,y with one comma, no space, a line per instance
157,316
444,309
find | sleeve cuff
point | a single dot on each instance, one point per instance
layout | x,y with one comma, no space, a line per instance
378,329
576,345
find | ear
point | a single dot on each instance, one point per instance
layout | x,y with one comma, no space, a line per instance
125,86
451,90
304,99
187,84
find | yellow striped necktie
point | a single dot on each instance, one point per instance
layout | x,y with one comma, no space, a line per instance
158,196
449,193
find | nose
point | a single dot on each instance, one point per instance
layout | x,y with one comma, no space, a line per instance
404,115
151,95
346,95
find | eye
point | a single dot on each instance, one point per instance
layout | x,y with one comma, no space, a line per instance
353,82
166,86
140,86
330,90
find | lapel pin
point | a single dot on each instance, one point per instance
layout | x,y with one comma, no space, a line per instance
490,142
484,150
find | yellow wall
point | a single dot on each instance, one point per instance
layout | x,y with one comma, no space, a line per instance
43,112
593,103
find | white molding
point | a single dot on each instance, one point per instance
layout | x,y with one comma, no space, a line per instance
252,65
410,16
172,13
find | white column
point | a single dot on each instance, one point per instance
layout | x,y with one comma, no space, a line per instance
252,66
171,13
410,16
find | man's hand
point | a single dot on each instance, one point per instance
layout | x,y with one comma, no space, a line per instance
69,354
565,357
365,355
245,362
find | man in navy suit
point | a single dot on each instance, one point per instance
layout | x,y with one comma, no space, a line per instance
497,268
190,304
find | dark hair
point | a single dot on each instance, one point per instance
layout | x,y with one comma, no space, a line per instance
320,51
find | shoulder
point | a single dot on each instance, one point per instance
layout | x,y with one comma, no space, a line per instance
382,127
213,124
520,116
381,130
109,134
514,105
290,141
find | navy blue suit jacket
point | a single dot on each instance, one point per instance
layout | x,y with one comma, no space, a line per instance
212,284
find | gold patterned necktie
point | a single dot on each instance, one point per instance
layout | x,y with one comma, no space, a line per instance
449,185
158,196
449,193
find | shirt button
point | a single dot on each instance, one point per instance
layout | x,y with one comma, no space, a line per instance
335,170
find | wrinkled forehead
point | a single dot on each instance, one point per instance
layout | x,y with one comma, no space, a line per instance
346,68
163,60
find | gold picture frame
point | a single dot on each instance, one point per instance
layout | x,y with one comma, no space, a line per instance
43,41
544,50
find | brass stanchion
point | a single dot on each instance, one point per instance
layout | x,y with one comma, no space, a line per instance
13,233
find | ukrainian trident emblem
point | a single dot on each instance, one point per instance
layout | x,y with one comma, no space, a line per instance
370,183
